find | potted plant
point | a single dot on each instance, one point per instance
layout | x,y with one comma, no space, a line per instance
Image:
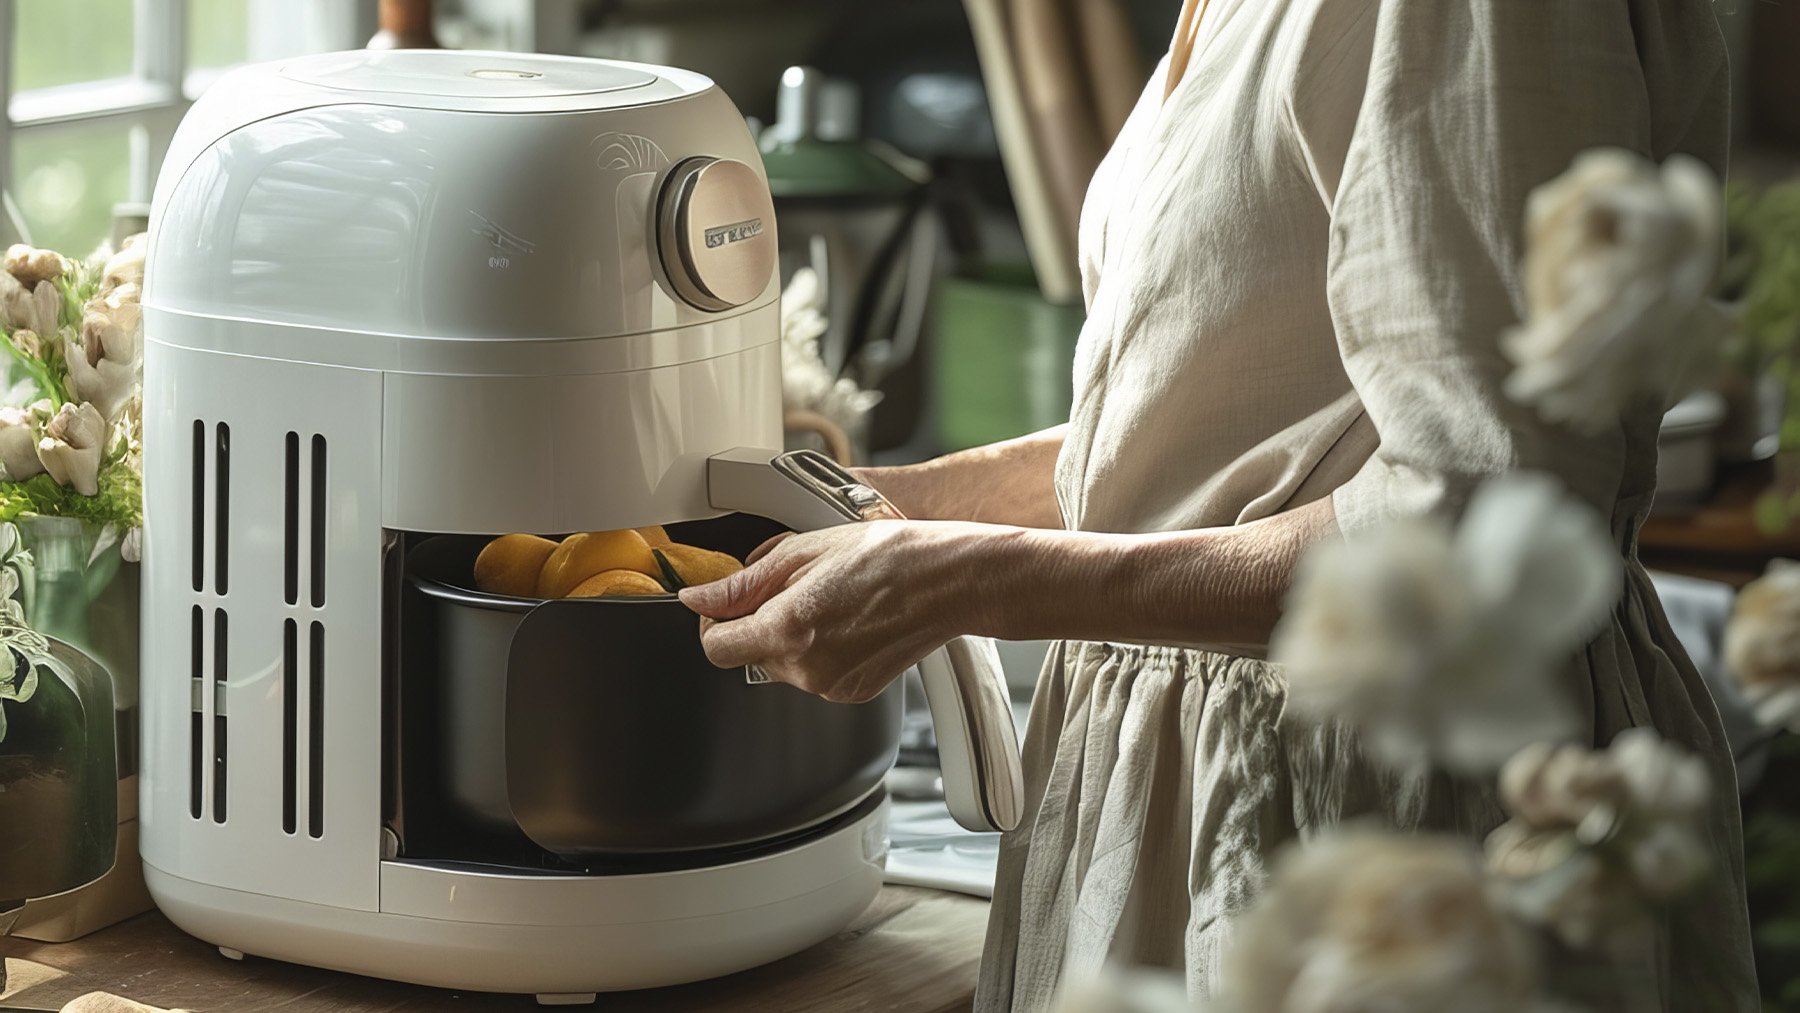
71,493
1760,278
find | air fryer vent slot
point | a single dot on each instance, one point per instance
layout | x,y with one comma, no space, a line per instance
220,656
318,521
290,724
198,468
197,726
291,525
315,748
222,509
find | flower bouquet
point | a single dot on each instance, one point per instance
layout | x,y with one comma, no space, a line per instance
70,426
71,488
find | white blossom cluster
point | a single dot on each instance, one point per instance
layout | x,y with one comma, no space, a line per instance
93,352
807,383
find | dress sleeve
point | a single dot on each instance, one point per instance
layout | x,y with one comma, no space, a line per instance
1466,107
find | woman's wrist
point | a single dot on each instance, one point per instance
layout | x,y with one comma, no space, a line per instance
1002,483
1039,584
1208,586
909,487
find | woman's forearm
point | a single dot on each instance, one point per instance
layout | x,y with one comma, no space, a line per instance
1013,482
1211,586
842,611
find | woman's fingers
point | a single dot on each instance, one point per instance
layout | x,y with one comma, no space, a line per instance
738,642
765,548
741,593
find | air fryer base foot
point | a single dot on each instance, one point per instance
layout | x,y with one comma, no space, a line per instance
567,998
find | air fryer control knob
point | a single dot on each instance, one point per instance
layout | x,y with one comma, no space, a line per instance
716,231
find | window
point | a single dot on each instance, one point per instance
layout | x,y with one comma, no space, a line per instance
92,91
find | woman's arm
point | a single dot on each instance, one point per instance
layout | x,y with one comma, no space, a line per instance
842,612
1208,586
1003,483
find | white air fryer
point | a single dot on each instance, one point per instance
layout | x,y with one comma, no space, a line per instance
401,302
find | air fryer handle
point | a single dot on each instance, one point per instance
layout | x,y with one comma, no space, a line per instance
978,746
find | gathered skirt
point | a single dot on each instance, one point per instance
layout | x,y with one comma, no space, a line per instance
1161,781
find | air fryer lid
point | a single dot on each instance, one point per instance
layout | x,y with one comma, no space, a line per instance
445,74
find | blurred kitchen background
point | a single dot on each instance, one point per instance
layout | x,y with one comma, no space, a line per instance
928,156
928,159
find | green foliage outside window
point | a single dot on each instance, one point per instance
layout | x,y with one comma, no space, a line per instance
67,179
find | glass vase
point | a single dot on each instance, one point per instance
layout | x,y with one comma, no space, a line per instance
58,778
79,591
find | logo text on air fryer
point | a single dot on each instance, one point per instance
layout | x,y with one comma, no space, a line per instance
736,232
504,244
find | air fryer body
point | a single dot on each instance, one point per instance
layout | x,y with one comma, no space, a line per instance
404,294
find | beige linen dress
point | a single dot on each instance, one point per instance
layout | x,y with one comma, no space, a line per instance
1296,271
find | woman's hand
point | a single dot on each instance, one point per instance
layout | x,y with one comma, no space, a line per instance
843,612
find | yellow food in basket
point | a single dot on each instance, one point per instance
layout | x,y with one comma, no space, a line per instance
585,554
687,565
510,564
630,561
616,582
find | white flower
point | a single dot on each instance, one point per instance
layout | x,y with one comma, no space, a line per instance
1762,644
1548,880
1661,781
1597,836
806,382
18,445
1364,920
104,369
1563,787
123,303
33,266
28,343
1120,990
1666,860
1448,645
1619,258
1636,781
125,267
72,445
36,309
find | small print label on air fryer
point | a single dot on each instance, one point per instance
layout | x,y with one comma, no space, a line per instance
736,232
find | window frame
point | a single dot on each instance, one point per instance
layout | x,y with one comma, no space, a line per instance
161,86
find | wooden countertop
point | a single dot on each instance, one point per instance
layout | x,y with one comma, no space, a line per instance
912,951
